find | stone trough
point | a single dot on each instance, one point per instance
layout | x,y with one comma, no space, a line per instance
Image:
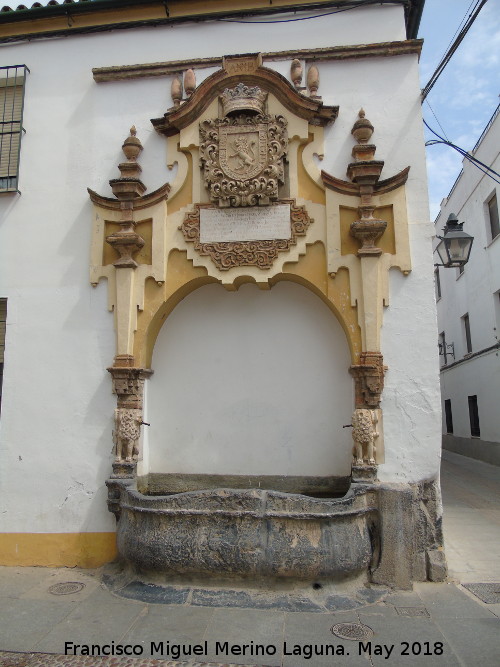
245,533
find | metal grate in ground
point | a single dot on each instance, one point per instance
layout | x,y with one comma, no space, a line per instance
489,593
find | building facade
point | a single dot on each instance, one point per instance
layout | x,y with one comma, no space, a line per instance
468,302
256,280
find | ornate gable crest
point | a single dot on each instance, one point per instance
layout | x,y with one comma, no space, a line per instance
242,153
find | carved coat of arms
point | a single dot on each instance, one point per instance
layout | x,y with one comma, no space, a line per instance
242,154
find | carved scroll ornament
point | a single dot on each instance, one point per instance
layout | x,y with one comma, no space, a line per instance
242,158
226,255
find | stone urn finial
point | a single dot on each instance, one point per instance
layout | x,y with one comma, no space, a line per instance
132,145
176,90
362,129
296,72
313,80
189,82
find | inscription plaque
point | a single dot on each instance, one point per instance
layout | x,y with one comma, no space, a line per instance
245,224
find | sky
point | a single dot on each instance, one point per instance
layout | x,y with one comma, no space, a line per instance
467,92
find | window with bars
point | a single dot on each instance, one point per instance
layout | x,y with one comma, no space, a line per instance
475,431
449,415
493,216
12,82
468,339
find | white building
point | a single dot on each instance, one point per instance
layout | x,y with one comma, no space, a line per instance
468,302
269,344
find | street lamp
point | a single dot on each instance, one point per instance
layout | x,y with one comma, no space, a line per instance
455,246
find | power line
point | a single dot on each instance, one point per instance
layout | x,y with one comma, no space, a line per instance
459,28
361,3
473,160
437,121
447,57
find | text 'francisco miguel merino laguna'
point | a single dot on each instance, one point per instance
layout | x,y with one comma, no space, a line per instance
218,648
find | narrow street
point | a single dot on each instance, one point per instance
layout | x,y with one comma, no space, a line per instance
471,500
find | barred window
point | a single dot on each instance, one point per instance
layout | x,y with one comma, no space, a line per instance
12,80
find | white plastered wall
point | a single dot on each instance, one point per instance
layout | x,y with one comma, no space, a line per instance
251,382
475,292
57,403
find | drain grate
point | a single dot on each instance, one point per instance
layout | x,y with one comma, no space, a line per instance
355,632
489,593
412,611
66,588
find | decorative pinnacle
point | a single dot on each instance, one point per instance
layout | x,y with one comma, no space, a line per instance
362,129
189,82
176,90
132,145
296,72
313,80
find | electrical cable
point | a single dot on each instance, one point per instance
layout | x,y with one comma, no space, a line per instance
447,57
473,160
458,29
437,121
317,16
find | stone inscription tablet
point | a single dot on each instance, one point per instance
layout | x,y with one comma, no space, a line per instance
256,223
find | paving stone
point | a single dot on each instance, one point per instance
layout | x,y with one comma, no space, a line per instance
416,632
14,581
249,600
90,624
24,622
341,603
372,594
172,625
151,593
475,641
404,599
314,631
446,600
379,609
244,626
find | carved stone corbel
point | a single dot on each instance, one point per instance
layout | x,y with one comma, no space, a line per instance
128,385
368,380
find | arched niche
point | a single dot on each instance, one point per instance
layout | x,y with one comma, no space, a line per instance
250,388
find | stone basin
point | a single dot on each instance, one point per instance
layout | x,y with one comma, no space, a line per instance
247,533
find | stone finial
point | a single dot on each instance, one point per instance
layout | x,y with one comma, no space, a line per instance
176,90
132,145
129,186
313,80
189,82
362,129
296,72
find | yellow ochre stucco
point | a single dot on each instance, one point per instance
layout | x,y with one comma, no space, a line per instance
87,550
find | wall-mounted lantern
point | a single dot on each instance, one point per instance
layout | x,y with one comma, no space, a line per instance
455,246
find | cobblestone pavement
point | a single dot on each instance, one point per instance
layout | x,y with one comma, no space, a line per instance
51,660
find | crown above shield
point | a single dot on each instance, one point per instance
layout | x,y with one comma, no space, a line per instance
243,98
